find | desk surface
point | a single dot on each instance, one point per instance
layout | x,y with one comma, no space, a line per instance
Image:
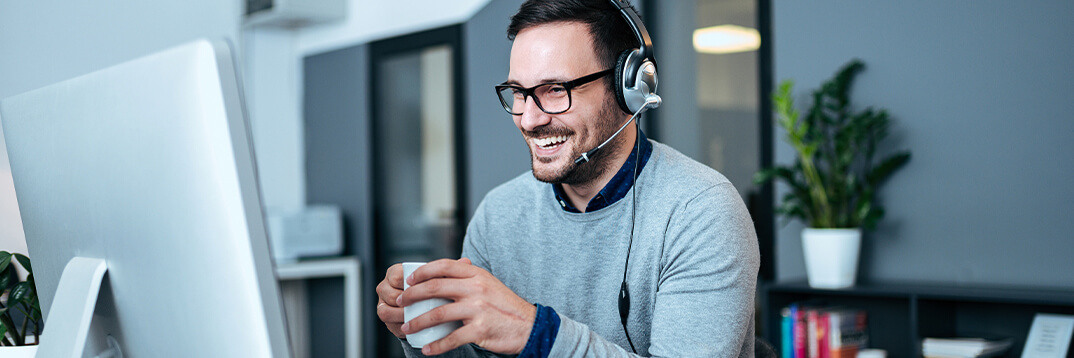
346,267
937,291
333,267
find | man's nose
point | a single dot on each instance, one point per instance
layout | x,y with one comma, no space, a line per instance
533,116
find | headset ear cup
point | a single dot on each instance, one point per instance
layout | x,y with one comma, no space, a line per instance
620,84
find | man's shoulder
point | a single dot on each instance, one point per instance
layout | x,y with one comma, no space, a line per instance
684,174
512,190
708,210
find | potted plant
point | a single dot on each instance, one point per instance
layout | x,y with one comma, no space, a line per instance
20,309
835,176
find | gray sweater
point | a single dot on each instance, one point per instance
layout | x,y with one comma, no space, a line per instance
692,273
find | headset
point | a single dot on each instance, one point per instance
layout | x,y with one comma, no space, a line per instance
635,91
635,70
635,76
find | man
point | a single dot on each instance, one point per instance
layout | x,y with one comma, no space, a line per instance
546,253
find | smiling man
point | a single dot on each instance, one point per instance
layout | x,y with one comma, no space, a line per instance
637,250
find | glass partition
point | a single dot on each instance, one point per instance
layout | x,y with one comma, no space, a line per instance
417,161
715,76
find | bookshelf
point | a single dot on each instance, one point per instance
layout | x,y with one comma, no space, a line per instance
902,314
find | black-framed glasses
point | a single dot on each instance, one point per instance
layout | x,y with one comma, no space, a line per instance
552,98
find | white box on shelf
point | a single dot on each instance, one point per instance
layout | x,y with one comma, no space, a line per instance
1049,336
293,13
310,231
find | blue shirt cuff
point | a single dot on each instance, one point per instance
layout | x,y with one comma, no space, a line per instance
543,333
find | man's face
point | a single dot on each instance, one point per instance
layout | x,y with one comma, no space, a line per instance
558,52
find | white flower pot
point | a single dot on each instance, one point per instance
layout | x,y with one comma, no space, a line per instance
831,256
18,352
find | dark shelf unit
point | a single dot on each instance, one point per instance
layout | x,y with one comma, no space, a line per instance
901,314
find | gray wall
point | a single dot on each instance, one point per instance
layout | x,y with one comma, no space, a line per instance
677,119
43,42
338,172
495,149
980,92
46,42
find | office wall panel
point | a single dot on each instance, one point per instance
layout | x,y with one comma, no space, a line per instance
979,91
495,149
44,42
338,172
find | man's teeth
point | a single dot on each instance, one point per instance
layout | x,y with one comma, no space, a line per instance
549,141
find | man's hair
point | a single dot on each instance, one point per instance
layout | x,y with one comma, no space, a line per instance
610,31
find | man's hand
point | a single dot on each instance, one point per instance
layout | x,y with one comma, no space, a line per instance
388,291
492,316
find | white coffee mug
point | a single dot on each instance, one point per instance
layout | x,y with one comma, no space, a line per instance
872,353
431,334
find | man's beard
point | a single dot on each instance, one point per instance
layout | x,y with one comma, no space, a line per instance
580,173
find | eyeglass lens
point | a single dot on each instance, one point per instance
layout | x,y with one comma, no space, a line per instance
551,98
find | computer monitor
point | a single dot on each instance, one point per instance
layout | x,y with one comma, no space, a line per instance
143,174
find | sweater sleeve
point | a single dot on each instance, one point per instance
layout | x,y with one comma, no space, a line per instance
704,304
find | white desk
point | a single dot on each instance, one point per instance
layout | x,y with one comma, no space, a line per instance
297,272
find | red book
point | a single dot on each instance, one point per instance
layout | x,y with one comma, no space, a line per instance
801,335
813,332
823,335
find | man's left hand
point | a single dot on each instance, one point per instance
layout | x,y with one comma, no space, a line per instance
493,317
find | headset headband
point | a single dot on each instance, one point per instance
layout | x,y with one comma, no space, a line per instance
645,43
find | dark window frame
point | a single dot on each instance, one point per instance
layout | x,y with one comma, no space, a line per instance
379,51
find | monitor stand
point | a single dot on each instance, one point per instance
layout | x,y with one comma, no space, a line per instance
72,311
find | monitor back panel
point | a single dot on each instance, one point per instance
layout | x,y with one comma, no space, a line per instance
148,164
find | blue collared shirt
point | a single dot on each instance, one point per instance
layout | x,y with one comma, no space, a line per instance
617,188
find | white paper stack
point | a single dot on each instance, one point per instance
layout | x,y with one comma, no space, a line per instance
963,347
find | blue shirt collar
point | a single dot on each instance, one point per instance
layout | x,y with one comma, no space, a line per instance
617,188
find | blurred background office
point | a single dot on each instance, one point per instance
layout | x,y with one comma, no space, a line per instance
385,110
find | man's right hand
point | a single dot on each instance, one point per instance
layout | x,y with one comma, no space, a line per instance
388,290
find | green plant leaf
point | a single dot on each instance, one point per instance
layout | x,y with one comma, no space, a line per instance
5,260
793,206
798,189
865,206
876,129
764,176
6,321
3,332
21,307
781,172
841,83
5,280
18,293
816,113
887,167
786,114
25,262
791,209
833,179
873,218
